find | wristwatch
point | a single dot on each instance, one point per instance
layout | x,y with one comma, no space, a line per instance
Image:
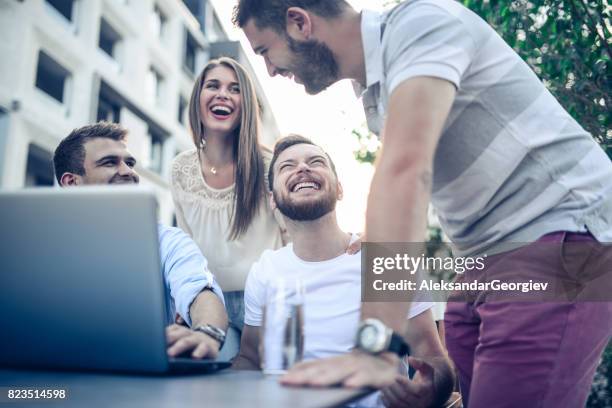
374,337
214,332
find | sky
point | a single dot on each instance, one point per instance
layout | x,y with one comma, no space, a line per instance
327,119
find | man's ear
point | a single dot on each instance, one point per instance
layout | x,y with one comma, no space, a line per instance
339,192
299,24
272,201
70,179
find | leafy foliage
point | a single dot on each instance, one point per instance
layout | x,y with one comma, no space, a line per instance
567,44
368,145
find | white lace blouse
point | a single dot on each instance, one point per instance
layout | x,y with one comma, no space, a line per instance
204,213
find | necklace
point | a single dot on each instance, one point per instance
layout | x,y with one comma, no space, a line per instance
202,146
213,169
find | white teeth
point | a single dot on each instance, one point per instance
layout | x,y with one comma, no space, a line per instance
220,109
305,184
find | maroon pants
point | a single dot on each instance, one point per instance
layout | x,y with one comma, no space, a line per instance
529,354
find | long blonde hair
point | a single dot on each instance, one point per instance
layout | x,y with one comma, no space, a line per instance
249,168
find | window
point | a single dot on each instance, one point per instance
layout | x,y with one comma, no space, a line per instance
39,168
64,7
155,83
108,110
191,53
157,151
109,39
182,110
159,22
193,6
217,33
51,77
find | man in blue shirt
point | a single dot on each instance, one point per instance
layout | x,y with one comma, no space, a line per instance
98,154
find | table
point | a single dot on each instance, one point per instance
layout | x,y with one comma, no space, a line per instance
227,388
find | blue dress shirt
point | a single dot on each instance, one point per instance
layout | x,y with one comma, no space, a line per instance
185,272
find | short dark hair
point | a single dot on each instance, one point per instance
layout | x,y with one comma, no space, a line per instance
70,153
272,13
285,143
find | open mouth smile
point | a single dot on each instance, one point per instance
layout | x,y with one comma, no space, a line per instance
306,185
221,112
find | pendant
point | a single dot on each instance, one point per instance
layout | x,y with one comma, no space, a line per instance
213,170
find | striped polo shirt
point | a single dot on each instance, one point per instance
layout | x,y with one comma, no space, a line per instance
511,164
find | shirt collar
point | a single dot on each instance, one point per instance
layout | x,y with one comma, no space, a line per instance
372,52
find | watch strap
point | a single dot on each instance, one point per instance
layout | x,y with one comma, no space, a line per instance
398,346
214,332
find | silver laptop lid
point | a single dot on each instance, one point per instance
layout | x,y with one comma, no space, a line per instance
80,285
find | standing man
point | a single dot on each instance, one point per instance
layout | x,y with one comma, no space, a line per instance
98,154
465,122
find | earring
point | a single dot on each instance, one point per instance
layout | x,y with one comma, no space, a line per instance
202,143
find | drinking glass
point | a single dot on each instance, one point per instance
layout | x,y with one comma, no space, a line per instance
282,334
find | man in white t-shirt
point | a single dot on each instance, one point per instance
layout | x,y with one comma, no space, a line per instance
305,189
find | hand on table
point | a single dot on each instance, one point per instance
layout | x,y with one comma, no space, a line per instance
418,392
353,370
181,339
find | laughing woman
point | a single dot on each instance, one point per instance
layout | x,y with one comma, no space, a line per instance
219,187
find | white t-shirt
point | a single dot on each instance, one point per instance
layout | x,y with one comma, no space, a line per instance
332,299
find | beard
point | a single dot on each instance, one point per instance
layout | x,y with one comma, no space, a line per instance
314,63
308,211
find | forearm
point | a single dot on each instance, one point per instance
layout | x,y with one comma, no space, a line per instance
397,212
242,362
401,186
207,308
398,199
248,358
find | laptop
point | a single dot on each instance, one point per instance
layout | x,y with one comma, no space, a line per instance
81,285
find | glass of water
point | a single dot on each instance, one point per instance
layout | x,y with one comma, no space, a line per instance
282,334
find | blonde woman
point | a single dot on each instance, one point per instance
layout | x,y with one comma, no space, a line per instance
219,187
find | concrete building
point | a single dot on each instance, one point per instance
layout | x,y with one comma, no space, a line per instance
67,63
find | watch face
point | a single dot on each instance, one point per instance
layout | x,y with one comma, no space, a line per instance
368,338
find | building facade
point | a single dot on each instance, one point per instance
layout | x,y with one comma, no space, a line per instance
67,63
